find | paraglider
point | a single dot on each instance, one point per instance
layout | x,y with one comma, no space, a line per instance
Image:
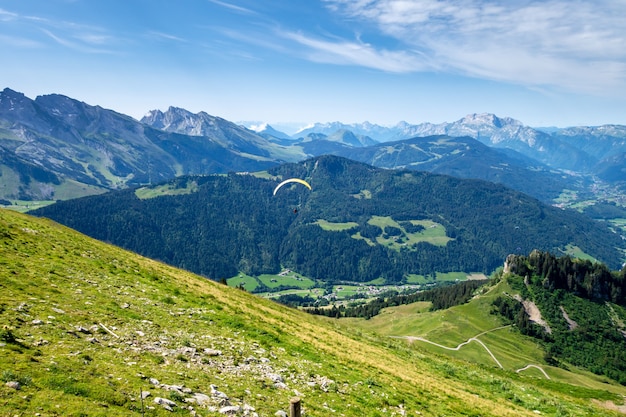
296,180
287,181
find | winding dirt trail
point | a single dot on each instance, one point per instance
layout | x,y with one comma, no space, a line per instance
473,339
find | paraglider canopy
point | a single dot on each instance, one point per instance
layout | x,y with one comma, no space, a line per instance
287,181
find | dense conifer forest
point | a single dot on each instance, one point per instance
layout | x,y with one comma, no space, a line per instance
221,225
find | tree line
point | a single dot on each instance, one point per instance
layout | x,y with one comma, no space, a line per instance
590,280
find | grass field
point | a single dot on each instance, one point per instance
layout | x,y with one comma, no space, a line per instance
88,326
433,233
311,292
576,252
249,283
343,291
334,227
457,325
287,278
444,277
619,224
23,206
166,189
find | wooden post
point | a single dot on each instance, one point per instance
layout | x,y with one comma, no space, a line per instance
294,407
141,396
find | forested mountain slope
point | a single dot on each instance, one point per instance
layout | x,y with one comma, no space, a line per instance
358,223
582,306
464,157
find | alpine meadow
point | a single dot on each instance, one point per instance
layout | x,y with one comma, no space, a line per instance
91,329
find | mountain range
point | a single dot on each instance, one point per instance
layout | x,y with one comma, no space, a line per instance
579,149
55,147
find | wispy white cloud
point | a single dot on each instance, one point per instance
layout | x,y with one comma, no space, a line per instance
75,36
94,38
74,45
579,45
356,52
232,7
166,36
6,16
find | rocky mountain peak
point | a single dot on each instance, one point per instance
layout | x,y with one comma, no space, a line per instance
7,94
182,121
488,120
13,102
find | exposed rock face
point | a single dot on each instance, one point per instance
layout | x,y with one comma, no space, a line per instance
55,139
510,265
533,313
571,323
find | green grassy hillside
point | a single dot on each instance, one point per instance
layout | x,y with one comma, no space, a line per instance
87,327
469,332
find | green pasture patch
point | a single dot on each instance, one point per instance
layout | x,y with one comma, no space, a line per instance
336,227
249,283
145,193
443,277
431,232
476,276
452,332
566,197
382,221
286,278
576,252
263,174
451,276
434,233
343,291
377,281
311,292
417,279
358,236
70,189
23,206
619,224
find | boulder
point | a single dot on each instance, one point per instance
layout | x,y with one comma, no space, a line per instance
14,384
231,410
169,405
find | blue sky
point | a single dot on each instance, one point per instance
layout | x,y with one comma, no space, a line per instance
545,63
